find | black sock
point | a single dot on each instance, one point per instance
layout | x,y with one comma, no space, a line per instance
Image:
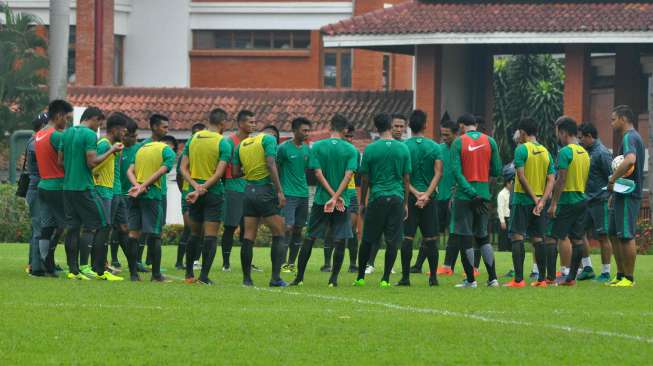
191,248
451,253
406,258
181,247
421,256
363,258
620,276
277,251
576,258
115,244
294,246
304,256
540,259
132,255
72,250
141,247
208,255
338,258
518,255
148,257
199,248
100,250
227,245
630,278
352,245
390,257
246,254
328,252
374,250
432,255
551,260
154,252
477,257
84,246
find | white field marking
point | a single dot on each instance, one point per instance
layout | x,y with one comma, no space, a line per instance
78,305
447,313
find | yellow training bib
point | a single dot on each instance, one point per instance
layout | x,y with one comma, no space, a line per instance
149,159
535,168
103,173
578,170
252,158
203,154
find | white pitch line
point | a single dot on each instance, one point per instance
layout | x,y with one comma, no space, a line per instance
447,313
78,305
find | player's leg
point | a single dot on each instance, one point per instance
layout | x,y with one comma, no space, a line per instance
96,216
393,232
410,228
152,225
462,236
481,221
451,251
212,216
352,244
195,221
517,227
627,241
428,225
341,230
185,235
301,215
34,203
134,224
288,214
372,231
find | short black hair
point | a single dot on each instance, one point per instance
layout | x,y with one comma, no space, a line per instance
156,119
588,128
350,127
58,106
273,128
217,116
299,121
339,122
90,113
399,116
40,121
528,125
624,111
468,119
131,125
382,122
567,124
244,114
417,121
453,126
197,127
172,140
116,119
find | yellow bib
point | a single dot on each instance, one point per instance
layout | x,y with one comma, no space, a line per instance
252,158
149,159
578,170
535,168
352,182
203,154
103,173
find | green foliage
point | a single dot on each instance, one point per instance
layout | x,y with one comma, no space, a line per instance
527,86
22,71
15,226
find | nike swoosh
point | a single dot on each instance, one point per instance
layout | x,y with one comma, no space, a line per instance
474,148
580,152
39,138
204,137
537,152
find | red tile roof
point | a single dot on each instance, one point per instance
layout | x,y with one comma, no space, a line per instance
475,16
186,106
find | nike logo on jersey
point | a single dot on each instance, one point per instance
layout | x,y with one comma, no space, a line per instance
204,137
536,152
39,138
580,152
474,148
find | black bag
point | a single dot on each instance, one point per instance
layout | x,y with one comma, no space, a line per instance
23,180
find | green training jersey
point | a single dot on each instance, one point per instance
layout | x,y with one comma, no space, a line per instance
292,161
448,179
424,152
385,162
334,157
104,173
75,143
126,159
538,164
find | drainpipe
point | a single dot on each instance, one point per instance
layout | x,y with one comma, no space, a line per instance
99,33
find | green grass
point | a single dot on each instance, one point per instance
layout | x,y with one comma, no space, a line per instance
56,321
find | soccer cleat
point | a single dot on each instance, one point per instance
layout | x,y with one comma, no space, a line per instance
603,277
612,281
248,282
414,269
278,283
205,281
444,271
623,283
476,272
256,269
107,276
296,282
516,284
226,269
433,281
359,282
142,268
493,283
586,274
539,284
161,279
325,268
353,269
384,284
510,274
286,268
333,283
466,284
189,280
551,282
28,268
87,271
534,275
568,283
369,269
403,282
79,276
134,278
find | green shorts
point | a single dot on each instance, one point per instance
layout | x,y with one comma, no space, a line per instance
145,215
623,216
83,209
523,221
466,220
597,218
207,208
568,221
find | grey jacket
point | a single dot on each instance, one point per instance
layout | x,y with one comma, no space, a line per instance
600,171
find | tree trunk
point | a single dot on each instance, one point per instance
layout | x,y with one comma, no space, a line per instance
58,48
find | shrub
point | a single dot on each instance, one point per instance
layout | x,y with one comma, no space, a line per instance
644,236
15,227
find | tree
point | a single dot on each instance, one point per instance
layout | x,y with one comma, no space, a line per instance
23,66
527,86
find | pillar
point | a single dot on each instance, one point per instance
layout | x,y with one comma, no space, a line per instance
428,85
577,82
94,42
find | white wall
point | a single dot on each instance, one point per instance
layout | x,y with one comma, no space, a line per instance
454,98
157,44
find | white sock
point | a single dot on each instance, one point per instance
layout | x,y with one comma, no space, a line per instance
564,271
535,270
587,261
605,268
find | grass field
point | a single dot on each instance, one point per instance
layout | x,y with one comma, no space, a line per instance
57,321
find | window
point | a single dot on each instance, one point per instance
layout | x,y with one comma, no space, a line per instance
71,54
118,60
336,69
385,78
250,39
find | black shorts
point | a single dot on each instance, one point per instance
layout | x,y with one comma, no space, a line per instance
50,207
295,211
233,207
145,215
336,223
119,211
107,209
353,203
568,221
164,207
260,201
207,208
444,215
425,218
623,216
523,221
466,220
597,219
384,216
83,209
